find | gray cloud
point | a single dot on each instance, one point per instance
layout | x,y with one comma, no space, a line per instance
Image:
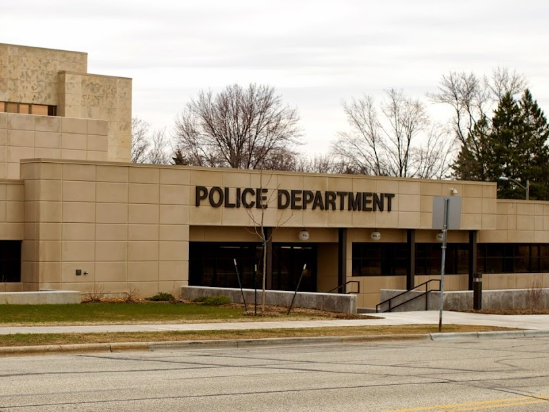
316,53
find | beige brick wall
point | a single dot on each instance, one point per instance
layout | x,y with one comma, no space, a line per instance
126,225
12,209
104,98
519,221
411,208
129,225
12,218
24,136
327,278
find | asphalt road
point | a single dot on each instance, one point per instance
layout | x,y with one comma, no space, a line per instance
420,376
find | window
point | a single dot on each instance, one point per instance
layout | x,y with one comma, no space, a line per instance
212,264
12,108
512,258
380,259
10,261
40,109
288,262
429,258
28,108
24,108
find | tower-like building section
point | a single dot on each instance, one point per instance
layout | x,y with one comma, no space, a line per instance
90,114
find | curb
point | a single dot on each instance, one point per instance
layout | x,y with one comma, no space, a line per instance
194,344
244,343
483,335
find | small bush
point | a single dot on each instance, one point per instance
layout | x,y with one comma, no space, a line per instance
162,297
535,295
131,296
213,300
95,295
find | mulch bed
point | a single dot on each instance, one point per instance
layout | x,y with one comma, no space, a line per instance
510,311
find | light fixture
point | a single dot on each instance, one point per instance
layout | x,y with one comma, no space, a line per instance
304,235
527,187
453,191
440,237
375,235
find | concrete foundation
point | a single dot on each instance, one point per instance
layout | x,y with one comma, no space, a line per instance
323,301
50,297
463,300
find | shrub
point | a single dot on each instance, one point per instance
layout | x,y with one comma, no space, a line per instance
535,296
162,297
131,296
96,294
213,300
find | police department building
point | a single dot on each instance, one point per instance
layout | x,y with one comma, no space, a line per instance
75,214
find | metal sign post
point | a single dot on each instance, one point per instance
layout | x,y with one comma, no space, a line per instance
446,215
443,262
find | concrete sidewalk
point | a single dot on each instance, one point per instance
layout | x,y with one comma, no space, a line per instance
529,322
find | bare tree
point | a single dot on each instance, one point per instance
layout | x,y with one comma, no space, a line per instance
472,98
432,159
258,227
363,146
149,146
240,128
407,119
158,150
282,159
322,164
140,141
386,139
504,81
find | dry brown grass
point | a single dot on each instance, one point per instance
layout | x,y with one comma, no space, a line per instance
380,331
280,312
510,311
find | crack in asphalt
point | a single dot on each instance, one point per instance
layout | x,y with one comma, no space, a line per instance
304,366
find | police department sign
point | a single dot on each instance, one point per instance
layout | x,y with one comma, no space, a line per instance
293,199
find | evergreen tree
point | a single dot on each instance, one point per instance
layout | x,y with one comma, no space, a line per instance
535,153
512,144
507,141
472,159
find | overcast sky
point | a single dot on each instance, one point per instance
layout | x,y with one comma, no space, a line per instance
315,53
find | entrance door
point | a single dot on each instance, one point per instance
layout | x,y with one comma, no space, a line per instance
288,261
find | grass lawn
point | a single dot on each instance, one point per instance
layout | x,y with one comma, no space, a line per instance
134,313
78,338
119,313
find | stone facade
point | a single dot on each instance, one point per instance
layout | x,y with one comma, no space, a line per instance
30,75
129,226
124,226
25,136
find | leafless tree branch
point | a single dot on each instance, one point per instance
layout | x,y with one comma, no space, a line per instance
385,141
240,128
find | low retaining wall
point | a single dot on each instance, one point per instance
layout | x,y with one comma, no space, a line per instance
40,297
331,302
463,300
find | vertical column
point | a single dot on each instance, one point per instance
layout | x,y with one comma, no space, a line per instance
342,260
411,272
268,235
472,256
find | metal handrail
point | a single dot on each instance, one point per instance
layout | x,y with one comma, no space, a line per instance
426,293
345,286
